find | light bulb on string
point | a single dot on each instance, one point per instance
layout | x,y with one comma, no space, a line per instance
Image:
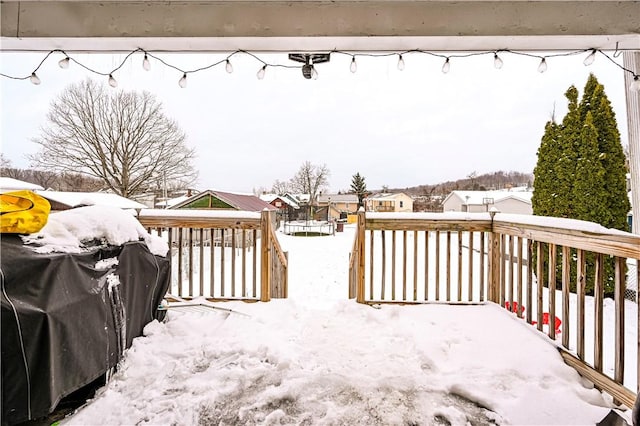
354,66
543,65
183,81
228,67
261,72
635,85
145,63
497,62
446,66
34,78
64,63
589,59
314,73
400,63
112,81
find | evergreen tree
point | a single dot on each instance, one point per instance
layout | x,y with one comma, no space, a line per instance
359,187
611,155
580,172
544,172
565,168
588,192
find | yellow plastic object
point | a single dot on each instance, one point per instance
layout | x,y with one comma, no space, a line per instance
23,212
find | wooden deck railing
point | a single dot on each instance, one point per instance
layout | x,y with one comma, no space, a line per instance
477,257
221,255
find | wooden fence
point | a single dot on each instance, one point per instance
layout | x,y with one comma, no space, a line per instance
537,268
220,254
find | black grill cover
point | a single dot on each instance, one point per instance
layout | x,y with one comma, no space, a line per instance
58,320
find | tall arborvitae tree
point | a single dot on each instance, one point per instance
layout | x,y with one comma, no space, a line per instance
565,169
544,172
580,172
588,191
359,187
611,155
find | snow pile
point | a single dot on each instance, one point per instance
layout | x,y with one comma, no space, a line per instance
351,364
318,358
68,231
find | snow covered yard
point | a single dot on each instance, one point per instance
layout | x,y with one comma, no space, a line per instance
318,358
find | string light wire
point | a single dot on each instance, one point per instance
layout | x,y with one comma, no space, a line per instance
227,64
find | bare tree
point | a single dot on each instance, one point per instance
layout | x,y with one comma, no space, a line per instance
310,179
5,163
122,138
279,187
78,182
258,191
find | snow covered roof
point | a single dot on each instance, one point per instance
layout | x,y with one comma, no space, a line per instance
171,202
244,202
8,184
75,199
300,198
477,197
287,199
386,196
338,198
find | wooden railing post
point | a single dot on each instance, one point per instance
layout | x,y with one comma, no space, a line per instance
361,256
285,282
493,264
265,259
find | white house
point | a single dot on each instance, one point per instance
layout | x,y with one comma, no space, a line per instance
8,184
398,202
518,202
61,200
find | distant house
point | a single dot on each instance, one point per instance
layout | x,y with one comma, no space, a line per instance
219,200
287,205
336,206
68,200
398,202
513,201
167,204
8,184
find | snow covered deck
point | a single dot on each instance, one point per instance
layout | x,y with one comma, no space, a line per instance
318,358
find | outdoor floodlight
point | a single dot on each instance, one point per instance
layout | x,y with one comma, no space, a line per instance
309,59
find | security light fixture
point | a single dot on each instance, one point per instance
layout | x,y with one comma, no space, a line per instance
309,59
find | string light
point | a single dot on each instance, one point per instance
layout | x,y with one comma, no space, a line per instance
543,65
261,72
145,63
112,81
64,63
635,85
183,81
446,66
34,79
354,67
497,62
589,59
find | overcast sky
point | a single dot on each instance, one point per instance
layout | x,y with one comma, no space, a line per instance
397,128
